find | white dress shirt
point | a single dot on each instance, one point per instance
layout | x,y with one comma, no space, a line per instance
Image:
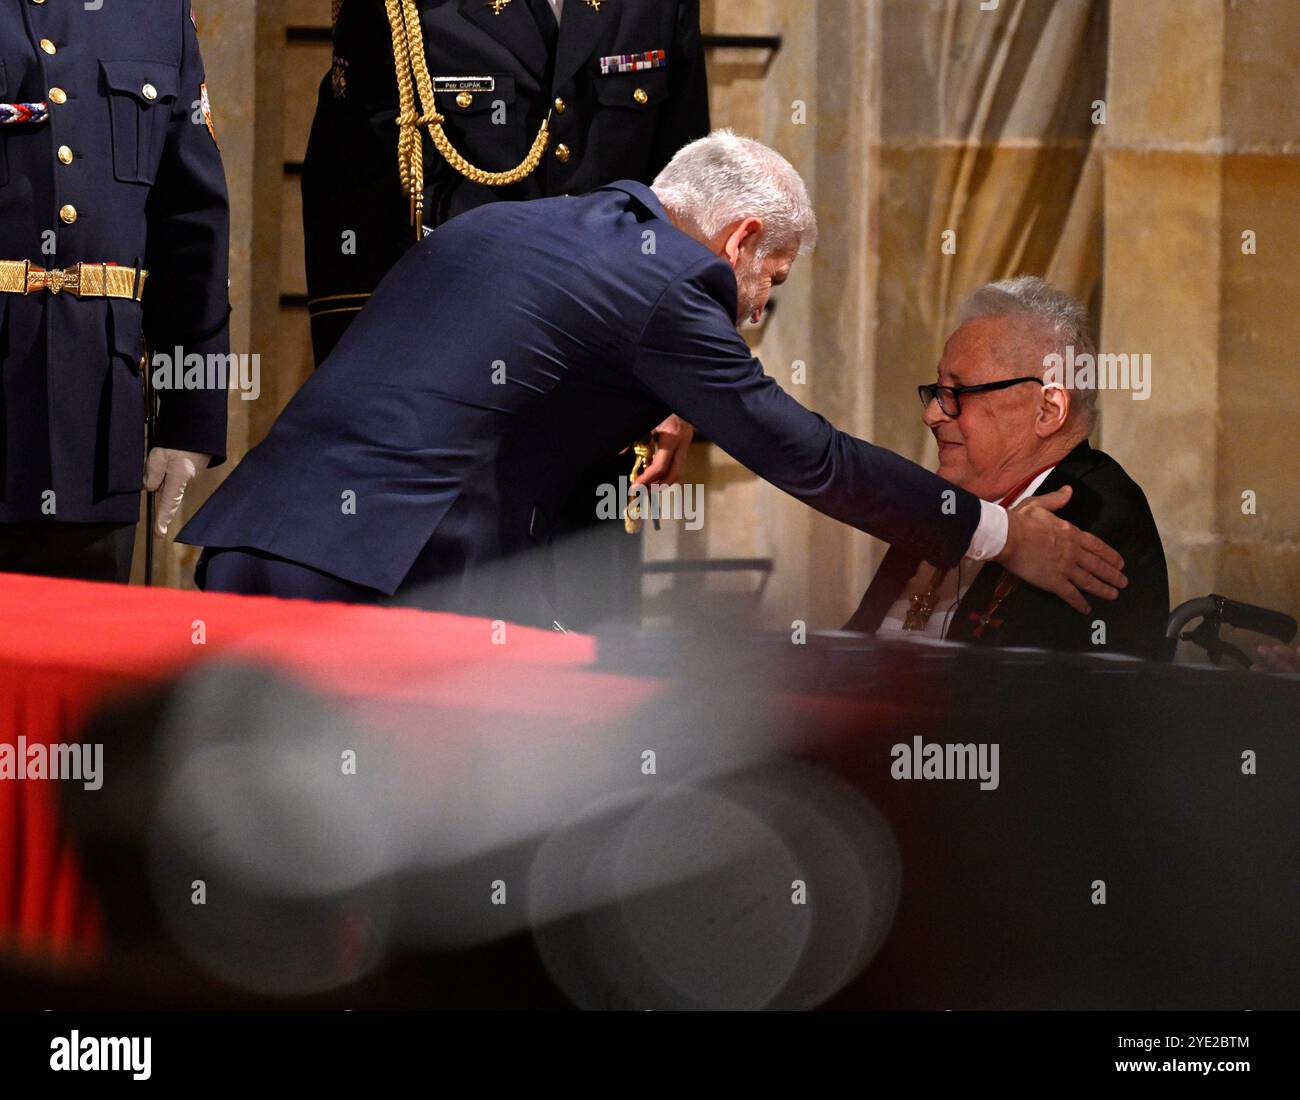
957,581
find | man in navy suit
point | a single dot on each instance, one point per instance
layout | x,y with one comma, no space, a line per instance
503,353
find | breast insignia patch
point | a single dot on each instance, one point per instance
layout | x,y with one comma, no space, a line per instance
339,76
206,105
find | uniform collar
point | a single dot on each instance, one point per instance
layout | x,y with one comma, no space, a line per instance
515,28
642,194
580,30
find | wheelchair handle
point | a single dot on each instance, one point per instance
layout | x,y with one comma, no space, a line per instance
1246,616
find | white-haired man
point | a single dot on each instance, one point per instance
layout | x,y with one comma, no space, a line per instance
1010,430
521,341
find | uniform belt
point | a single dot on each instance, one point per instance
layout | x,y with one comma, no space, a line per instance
80,280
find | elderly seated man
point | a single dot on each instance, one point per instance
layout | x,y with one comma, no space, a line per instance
1008,429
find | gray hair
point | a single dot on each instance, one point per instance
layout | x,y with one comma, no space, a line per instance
1063,319
724,178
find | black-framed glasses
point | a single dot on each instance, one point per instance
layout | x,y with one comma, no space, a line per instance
949,397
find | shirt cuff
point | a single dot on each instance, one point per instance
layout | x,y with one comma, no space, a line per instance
991,534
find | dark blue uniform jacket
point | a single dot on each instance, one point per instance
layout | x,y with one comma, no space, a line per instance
142,185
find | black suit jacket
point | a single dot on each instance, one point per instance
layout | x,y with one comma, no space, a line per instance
1107,503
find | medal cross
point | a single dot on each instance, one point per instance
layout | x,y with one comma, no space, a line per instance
982,621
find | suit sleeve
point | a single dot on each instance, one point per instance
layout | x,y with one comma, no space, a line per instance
685,115
187,298
1117,513
692,358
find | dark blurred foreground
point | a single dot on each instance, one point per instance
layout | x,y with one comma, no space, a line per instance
762,856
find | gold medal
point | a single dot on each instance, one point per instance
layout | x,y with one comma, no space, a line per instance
924,603
644,450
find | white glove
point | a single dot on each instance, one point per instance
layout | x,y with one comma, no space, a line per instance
171,471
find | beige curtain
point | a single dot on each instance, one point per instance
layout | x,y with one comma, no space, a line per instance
1016,177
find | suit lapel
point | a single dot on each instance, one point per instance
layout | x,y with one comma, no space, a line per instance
885,587
1071,468
979,598
580,30
515,28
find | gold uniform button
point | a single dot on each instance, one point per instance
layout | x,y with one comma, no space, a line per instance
149,92
58,95
562,153
48,46
464,99
68,214
640,96
65,155
560,106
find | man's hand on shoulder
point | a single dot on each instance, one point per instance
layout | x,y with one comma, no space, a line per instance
1056,556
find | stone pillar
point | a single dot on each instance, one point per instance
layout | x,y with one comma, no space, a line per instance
242,43
812,101
1202,169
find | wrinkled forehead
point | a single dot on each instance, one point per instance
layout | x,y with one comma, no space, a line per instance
988,349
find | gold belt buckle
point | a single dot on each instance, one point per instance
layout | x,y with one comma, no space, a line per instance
54,281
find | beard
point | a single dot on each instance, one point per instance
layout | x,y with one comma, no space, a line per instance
749,292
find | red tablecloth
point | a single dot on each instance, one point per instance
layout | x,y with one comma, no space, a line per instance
67,646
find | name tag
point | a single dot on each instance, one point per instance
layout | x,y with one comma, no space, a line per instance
464,84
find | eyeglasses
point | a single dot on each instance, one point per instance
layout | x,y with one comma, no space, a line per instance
949,397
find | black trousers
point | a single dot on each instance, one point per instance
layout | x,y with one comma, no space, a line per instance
597,564
82,551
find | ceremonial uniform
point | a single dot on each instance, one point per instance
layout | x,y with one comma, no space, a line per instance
113,231
620,85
